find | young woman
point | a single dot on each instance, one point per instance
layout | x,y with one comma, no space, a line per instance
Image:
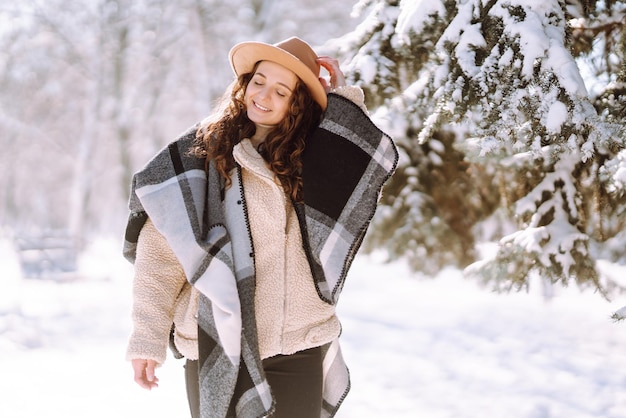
242,232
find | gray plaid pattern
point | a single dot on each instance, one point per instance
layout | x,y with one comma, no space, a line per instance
184,201
334,242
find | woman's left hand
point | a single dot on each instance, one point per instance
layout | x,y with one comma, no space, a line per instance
337,78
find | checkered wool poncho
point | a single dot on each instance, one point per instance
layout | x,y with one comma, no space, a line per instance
345,164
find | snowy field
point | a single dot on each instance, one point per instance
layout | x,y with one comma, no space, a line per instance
417,347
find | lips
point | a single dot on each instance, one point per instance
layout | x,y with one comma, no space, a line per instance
258,106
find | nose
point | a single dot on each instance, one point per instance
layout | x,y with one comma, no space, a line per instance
264,92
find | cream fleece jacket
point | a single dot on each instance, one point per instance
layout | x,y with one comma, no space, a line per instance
290,315
161,297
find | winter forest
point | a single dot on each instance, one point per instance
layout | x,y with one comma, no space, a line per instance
509,116
508,113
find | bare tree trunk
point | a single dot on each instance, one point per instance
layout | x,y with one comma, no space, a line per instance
82,171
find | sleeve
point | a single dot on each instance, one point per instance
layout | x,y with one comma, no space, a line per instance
354,94
158,280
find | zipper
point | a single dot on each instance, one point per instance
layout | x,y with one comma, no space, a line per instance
285,269
245,214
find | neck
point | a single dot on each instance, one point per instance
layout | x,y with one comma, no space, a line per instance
260,134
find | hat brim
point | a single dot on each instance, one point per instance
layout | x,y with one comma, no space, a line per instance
245,55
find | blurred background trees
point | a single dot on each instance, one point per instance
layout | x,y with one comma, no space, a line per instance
89,90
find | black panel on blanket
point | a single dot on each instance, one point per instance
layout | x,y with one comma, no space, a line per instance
331,169
135,223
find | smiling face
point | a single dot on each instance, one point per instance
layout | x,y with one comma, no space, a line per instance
269,93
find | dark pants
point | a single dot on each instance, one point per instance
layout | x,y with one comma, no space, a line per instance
295,380
193,392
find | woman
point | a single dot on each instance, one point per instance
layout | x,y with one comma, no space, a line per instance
242,232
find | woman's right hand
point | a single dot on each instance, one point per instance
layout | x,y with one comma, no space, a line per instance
337,79
144,373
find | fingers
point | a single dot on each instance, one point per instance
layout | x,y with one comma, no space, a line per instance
150,376
337,79
328,62
325,84
144,373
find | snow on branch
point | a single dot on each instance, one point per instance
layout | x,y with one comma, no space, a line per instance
525,147
619,315
415,16
614,173
508,62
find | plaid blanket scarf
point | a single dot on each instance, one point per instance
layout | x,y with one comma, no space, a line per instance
345,164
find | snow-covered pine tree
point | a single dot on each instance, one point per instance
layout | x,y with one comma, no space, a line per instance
431,204
598,39
490,90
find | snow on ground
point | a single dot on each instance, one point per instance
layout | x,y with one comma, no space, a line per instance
417,347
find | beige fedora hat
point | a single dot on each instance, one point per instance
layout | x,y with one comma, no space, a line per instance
292,53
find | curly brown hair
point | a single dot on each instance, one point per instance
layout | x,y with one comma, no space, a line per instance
283,146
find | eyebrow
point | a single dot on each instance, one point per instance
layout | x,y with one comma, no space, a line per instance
278,82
